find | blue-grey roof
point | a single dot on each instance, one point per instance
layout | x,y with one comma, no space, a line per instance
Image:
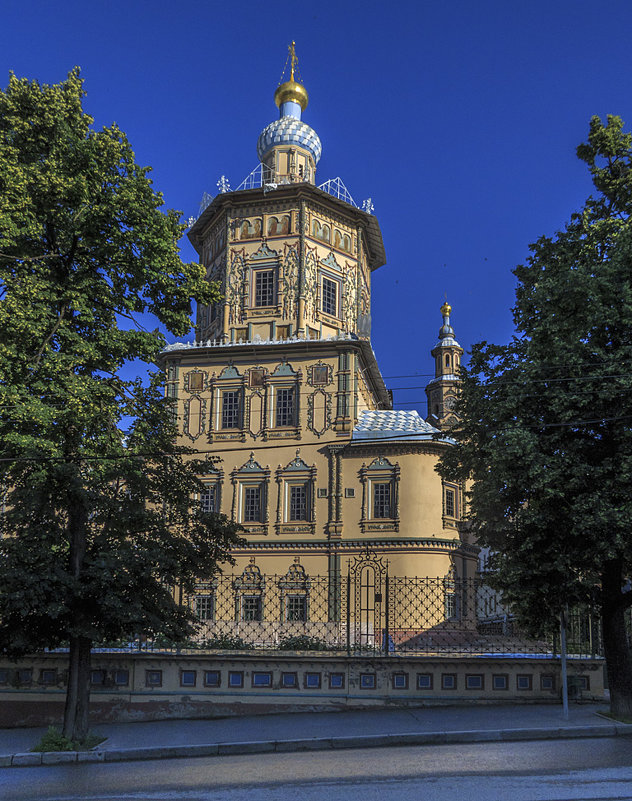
392,425
289,130
447,342
446,377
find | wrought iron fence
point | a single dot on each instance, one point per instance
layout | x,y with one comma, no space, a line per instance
367,612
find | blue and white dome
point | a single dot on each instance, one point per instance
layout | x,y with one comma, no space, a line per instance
289,130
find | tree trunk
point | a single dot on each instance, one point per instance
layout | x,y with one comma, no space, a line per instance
78,690
616,647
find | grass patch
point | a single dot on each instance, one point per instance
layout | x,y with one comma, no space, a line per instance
606,713
54,740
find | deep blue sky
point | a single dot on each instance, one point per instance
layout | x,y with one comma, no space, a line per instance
459,119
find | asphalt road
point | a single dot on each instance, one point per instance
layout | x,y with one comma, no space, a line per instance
528,771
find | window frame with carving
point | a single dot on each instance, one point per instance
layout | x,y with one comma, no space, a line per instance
251,476
378,473
336,281
248,586
230,380
451,520
294,475
294,585
283,379
212,483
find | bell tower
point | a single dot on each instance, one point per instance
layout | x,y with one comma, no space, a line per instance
442,390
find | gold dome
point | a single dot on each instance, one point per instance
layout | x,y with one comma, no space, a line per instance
291,91
446,309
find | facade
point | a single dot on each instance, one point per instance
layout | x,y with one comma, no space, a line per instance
282,389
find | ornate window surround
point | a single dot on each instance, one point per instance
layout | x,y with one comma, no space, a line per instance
295,583
283,377
451,521
229,380
263,260
296,473
215,478
251,584
250,474
380,471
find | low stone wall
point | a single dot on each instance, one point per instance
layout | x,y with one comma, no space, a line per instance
154,686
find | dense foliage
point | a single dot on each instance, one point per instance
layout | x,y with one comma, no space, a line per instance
546,421
100,519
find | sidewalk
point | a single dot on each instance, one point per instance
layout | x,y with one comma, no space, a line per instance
318,731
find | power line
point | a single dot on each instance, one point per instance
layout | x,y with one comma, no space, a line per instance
255,446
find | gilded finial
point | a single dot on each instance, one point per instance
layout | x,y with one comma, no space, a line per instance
446,309
291,91
293,59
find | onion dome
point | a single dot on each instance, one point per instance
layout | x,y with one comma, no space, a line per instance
446,332
291,97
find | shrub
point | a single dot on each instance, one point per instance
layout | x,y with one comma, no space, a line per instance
54,740
303,642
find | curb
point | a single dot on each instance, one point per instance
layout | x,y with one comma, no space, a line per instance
311,744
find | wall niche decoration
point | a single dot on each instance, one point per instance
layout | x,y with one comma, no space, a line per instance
319,406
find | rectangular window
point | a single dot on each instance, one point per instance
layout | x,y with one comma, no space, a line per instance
349,492
188,678
295,608
97,677
252,505
312,681
212,678
330,297
474,681
381,500
450,506
205,607
207,498
336,681
400,681
24,675
451,606
367,681
236,678
4,676
48,676
285,407
424,681
251,607
500,681
261,679
121,678
264,288
231,409
289,679
547,682
153,678
298,502
524,682
448,681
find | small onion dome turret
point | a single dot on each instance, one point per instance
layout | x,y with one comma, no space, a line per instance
446,332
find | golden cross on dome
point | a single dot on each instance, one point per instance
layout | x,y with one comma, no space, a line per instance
293,59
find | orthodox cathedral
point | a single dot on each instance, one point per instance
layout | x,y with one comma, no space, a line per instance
283,390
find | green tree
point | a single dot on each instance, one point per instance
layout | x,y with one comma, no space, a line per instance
546,422
100,523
